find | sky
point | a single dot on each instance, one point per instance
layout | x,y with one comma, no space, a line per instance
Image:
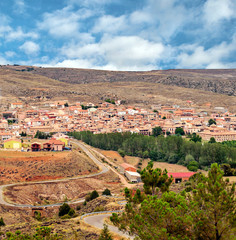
132,35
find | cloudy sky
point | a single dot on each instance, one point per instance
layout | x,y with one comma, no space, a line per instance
119,34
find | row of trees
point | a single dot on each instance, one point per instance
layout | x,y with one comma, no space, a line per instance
171,149
207,212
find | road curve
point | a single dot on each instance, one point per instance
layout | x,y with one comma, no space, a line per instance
98,220
102,167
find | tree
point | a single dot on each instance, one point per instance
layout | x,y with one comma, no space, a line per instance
211,121
193,166
215,209
179,131
66,104
106,192
155,179
157,131
212,140
94,195
208,212
2,222
121,152
64,209
105,234
155,218
195,138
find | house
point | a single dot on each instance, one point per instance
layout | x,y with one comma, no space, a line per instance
127,167
133,177
181,176
12,144
53,145
16,105
47,146
35,147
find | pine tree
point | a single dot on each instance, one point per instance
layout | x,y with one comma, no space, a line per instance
105,234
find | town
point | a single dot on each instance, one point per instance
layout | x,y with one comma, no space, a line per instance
21,122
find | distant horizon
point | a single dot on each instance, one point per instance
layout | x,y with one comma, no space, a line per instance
115,35
217,69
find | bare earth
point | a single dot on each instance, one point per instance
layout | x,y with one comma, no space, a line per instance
18,166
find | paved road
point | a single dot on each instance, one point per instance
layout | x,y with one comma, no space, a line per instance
102,167
98,220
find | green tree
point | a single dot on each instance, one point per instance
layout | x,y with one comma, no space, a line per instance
179,131
212,140
64,209
106,192
193,166
2,223
157,131
105,234
155,179
195,138
94,194
215,209
155,218
211,121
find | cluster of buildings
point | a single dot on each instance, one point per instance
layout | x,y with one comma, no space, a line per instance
64,116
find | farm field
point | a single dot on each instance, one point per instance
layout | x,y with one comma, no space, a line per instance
18,166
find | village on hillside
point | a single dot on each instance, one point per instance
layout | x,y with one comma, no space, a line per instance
20,123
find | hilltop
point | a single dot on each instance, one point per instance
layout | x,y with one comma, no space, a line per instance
134,88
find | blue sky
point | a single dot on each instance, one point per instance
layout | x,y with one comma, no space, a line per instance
119,34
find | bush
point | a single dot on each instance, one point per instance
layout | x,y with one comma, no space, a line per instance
99,209
64,209
71,212
78,207
106,192
2,222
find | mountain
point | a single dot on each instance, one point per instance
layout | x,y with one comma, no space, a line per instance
140,88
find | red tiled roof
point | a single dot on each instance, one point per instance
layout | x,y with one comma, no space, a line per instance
181,174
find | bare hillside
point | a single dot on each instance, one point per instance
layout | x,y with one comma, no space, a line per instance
134,88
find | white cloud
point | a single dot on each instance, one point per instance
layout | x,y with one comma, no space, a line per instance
64,22
110,24
131,51
19,6
10,54
115,53
18,34
198,57
3,61
30,48
216,10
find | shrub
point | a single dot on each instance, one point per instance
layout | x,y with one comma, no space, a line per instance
78,207
71,212
94,194
64,209
2,222
106,192
99,209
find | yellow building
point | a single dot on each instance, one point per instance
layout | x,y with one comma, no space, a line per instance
12,144
65,140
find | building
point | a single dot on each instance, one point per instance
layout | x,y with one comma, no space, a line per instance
53,145
181,176
133,177
12,144
127,167
36,147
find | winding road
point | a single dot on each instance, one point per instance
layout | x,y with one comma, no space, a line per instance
94,220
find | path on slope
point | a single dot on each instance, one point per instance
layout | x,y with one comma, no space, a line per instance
84,147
